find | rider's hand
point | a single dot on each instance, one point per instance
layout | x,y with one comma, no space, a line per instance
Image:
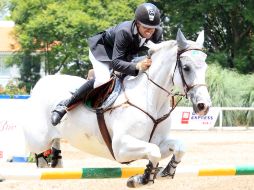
144,64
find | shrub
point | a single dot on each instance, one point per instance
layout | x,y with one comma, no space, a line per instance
12,89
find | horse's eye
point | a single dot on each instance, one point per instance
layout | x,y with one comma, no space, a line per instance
186,68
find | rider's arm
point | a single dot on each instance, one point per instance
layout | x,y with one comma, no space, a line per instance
123,41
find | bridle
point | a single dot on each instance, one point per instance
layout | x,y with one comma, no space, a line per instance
186,87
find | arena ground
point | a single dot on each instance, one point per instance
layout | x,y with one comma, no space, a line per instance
204,149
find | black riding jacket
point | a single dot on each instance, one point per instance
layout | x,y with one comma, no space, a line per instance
118,45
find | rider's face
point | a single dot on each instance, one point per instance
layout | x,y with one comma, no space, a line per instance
144,31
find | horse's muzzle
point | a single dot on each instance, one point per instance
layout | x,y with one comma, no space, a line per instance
201,108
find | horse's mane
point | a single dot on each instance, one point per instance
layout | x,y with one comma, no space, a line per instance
156,47
170,43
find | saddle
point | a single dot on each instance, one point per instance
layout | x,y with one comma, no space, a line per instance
105,95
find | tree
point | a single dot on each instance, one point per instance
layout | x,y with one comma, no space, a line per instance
3,8
228,27
59,32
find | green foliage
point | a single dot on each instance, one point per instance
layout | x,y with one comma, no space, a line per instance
228,28
3,8
58,32
29,67
12,88
248,101
230,89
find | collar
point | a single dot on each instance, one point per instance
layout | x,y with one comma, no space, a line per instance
135,31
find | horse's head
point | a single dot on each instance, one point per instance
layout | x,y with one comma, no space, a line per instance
190,71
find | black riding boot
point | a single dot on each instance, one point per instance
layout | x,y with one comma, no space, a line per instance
60,109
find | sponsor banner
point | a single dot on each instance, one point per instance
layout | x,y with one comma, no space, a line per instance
185,118
12,140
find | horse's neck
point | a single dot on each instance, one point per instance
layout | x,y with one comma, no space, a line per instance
161,72
143,92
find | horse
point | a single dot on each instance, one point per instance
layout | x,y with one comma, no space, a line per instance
138,122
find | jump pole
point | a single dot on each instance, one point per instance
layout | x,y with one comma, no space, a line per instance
68,173
101,173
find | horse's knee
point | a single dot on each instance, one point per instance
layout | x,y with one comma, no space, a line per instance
171,146
179,146
155,153
179,150
124,150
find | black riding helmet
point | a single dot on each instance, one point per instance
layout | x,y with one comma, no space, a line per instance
148,15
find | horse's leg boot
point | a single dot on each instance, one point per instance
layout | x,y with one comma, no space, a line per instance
60,110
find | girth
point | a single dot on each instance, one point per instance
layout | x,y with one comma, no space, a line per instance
104,130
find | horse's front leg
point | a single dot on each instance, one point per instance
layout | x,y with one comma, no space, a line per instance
171,147
127,148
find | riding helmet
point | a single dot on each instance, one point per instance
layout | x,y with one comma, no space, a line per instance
148,15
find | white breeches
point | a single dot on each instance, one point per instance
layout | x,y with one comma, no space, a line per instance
101,71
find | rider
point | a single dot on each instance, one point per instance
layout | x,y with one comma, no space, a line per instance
115,49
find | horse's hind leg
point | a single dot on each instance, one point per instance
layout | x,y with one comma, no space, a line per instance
56,161
50,158
41,160
176,149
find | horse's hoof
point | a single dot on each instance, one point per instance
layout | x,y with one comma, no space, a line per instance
130,183
138,181
134,181
56,160
54,163
163,174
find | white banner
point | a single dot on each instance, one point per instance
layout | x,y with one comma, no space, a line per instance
12,142
185,118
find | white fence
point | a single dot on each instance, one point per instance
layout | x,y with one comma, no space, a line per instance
232,109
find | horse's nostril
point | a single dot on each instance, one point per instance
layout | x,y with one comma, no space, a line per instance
201,106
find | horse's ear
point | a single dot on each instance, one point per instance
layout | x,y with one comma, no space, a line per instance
181,40
151,46
201,38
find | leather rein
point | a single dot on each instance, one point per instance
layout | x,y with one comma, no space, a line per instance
187,88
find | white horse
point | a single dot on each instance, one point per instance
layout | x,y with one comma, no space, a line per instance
139,123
